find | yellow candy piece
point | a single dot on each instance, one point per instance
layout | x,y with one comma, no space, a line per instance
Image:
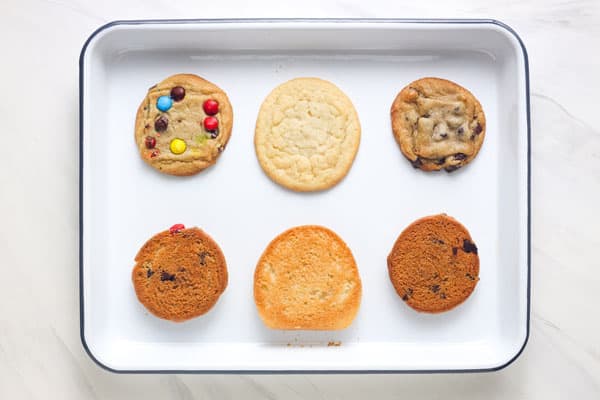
177,146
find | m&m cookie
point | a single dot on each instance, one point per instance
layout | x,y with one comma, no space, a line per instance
183,125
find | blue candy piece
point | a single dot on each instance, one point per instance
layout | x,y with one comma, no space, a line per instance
164,103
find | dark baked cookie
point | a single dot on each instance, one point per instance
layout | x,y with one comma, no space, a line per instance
438,124
434,264
179,273
183,125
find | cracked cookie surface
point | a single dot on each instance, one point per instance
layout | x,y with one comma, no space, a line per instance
438,124
434,265
179,274
307,134
183,125
307,278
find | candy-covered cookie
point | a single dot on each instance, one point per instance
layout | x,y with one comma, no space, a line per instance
307,134
438,124
179,273
183,124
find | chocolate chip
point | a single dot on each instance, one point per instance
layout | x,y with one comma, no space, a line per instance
405,297
444,135
438,241
451,168
203,257
469,247
177,93
181,269
460,156
454,251
407,294
471,277
214,134
220,148
149,273
165,276
426,115
417,163
435,288
442,295
460,130
456,109
478,129
147,126
440,161
161,123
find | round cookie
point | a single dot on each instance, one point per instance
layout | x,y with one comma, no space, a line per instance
179,273
434,264
307,134
183,125
438,124
307,278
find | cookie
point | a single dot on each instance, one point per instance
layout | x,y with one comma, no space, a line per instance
179,273
434,264
183,125
438,124
307,134
307,279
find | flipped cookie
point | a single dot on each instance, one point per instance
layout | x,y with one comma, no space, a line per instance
434,264
307,134
183,125
307,279
438,124
179,273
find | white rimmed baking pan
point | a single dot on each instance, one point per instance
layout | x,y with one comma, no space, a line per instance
123,202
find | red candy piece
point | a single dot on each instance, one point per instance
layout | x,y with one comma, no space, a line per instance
211,123
176,228
154,153
150,142
211,107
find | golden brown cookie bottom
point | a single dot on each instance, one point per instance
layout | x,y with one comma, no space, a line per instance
307,278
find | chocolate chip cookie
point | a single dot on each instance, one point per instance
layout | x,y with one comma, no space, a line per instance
438,124
307,134
434,265
183,125
179,273
307,278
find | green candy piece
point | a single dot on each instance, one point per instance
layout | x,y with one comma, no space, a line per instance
200,139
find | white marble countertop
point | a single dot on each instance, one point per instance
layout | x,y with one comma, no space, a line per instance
40,352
